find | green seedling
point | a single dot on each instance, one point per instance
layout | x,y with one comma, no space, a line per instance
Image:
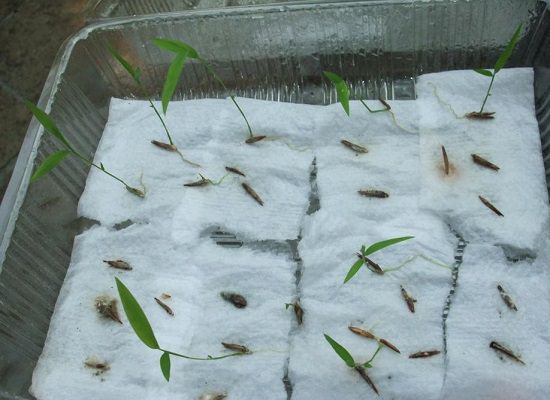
365,252
54,159
172,78
492,74
345,355
142,328
179,47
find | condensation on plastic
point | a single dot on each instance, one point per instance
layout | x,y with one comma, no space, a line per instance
268,52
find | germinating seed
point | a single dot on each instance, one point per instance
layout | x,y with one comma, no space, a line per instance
107,307
504,350
234,170
165,146
491,207
445,160
252,193
506,298
367,379
385,103
119,264
374,267
236,347
480,115
389,345
355,147
362,332
408,299
164,306
484,163
201,182
373,193
425,354
236,299
254,139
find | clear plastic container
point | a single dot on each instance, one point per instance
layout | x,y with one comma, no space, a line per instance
274,52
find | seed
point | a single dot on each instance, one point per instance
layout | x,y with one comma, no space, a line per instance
445,160
389,345
384,103
374,267
362,332
254,139
484,163
135,191
236,347
213,396
165,296
118,264
355,147
237,300
478,115
164,306
252,193
506,298
373,193
92,362
364,375
234,170
165,146
408,299
425,354
504,350
107,307
299,312
491,207
201,182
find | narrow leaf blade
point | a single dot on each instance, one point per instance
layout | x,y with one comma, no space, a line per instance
172,78
137,318
49,163
47,122
385,243
508,50
341,351
134,72
485,72
165,365
353,270
176,46
342,89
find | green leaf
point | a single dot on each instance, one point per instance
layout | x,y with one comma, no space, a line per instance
354,269
172,78
135,73
485,72
47,122
176,46
385,243
508,50
341,351
49,163
136,316
341,89
165,365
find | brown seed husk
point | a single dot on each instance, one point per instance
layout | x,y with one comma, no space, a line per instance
299,312
373,193
213,396
385,103
374,267
165,307
118,264
234,170
252,193
506,298
367,379
201,182
254,139
236,299
425,354
389,345
504,350
93,362
165,146
362,332
478,115
491,207
484,163
445,160
236,347
408,299
107,307
355,147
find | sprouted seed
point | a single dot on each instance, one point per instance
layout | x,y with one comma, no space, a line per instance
298,311
506,298
490,206
165,146
389,345
425,354
363,372
374,267
252,193
106,306
234,298
480,115
506,351
355,147
213,396
445,160
380,194
254,139
370,335
164,306
235,171
484,163
236,347
204,181
408,299
118,264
